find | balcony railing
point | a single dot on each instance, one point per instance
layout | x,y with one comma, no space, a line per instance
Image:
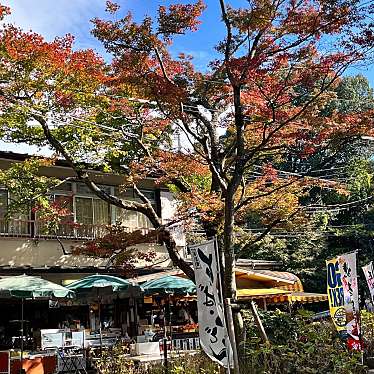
17,228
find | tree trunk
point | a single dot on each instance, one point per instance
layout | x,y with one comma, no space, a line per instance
166,238
228,251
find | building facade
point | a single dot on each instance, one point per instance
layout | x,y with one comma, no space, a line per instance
27,247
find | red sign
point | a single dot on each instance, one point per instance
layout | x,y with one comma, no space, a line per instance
354,345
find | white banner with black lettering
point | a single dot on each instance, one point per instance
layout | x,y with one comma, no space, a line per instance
212,328
348,271
369,275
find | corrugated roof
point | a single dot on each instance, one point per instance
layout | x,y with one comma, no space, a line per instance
267,275
284,278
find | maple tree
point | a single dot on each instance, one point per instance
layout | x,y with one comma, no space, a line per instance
261,101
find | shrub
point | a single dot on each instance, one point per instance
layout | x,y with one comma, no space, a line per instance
367,326
298,346
115,361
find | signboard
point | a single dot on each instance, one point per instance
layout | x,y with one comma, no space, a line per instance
335,294
348,271
212,330
53,304
52,338
369,275
354,345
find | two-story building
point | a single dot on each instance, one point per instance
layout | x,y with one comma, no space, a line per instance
26,247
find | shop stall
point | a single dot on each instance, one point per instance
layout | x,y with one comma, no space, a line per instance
103,293
168,314
27,289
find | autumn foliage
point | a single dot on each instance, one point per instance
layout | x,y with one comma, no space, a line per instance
262,101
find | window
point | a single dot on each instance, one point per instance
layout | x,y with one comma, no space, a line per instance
91,211
135,219
84,210
17,223
65,202
3,210
79,204
101,212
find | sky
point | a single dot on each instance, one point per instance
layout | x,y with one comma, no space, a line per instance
58,17
53,18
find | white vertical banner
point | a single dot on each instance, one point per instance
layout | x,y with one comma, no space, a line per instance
212,327
348,271
369,275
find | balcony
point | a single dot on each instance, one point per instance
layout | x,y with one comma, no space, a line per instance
17,228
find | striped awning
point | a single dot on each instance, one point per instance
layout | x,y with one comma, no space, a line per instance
259,293
302,297
278,296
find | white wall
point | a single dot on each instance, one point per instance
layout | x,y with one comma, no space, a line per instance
23,252
168,212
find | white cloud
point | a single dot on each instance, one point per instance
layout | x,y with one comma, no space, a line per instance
57,17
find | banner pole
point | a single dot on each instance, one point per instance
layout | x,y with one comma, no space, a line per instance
231,333
219,266
229,321
359,313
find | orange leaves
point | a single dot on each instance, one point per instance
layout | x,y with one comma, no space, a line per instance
20,45
179,166
302,19
256,17
88,64
271,198
50,74
205,206
178,18
141,56
118,36
4,11
111,7
55,56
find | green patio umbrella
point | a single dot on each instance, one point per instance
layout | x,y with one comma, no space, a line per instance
166,286
29,287
169,285
99,281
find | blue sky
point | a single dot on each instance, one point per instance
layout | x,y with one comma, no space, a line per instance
57,17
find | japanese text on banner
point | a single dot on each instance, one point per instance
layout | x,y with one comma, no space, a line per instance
348,271
212,330
369,275
335,294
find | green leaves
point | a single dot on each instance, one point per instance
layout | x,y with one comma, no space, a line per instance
27,188
298,346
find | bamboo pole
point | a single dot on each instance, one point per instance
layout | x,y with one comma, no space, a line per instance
231,332
258,322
